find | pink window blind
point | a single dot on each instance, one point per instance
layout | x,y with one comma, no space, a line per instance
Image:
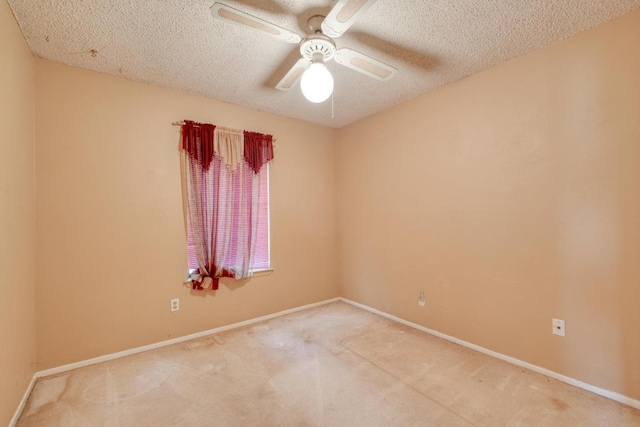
242,178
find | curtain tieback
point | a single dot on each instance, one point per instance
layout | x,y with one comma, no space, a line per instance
202,282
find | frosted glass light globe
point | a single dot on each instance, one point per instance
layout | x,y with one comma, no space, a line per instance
317,83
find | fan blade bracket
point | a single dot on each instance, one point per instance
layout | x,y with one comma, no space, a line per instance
343,15
293,75
238,17
364,64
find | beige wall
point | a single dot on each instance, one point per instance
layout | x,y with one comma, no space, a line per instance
111,243
510,197
17,216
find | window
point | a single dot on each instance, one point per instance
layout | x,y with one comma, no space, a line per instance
225,182
232,203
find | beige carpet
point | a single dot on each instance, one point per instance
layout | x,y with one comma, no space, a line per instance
335,365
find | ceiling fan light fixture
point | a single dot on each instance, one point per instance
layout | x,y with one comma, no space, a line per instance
317,82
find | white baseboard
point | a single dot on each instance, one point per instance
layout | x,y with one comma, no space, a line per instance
597,390
124,353
160,344
25,396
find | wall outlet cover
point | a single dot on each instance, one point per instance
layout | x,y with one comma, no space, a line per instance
558,327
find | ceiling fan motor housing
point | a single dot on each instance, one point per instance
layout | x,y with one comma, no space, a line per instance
316,45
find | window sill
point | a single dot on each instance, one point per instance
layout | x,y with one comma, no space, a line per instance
260,273
256,273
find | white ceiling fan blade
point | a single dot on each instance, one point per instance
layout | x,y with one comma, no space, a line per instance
229,14
365,64
343,15
293,75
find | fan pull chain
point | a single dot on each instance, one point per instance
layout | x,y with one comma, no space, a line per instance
332,105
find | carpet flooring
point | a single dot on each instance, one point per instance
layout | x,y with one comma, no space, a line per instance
334,365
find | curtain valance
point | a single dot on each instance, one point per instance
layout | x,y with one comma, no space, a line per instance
203,142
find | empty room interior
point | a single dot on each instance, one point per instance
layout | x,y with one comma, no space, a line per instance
320,212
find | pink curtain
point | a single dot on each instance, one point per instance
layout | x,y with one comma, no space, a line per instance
222,199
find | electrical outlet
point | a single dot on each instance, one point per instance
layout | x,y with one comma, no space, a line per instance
421,298
175,304
558,327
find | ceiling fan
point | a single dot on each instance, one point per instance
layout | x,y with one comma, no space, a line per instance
316,82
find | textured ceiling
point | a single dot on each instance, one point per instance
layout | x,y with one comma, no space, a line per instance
178,44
